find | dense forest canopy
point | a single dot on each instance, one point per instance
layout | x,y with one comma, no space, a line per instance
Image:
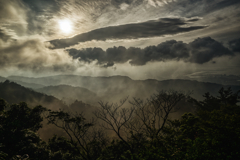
143,131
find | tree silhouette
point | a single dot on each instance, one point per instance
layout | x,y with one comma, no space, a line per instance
143,119
144,130
83,137
18,126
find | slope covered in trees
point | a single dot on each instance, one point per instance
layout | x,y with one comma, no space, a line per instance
69,93
15,93
143,131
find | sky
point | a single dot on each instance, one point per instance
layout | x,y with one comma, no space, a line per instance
142,39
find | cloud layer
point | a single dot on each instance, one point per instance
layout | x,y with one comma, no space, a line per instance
33,55
235,45
153,28
199,51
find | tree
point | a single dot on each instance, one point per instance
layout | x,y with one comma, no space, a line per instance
143,120
115,117
213,133
226,97
87,141
18,126
152,114
62,149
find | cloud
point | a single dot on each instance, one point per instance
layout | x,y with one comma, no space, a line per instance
27,17
205,49
148,29
222,4
201,50
109,64
119,2
12,10
32,17
33,55
14,13
4,36
39,14
198,7
235,45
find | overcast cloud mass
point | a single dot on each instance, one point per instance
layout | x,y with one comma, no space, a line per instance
153,28
141,39
199,51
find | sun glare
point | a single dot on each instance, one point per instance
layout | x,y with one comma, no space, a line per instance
65,25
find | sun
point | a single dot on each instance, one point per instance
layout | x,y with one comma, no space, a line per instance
65,25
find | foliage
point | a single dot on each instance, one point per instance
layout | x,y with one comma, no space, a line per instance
18,126
213,133
62,148
226,97
3,155
144,131
86,141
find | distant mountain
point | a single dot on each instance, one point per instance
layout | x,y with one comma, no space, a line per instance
28,85
15,93
25,84
2,79
92,83
220,79
69,94
117,87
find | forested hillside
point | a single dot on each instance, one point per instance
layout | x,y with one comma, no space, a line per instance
143,131
70,94
14,93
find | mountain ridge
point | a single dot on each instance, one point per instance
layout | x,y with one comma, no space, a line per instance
14,93
114,88
68,93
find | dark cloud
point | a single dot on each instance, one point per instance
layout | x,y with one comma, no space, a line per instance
222,4
153,28
109,64
169,50
205,49
4,36
43,5
235,45
119,2
199,51
165,51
